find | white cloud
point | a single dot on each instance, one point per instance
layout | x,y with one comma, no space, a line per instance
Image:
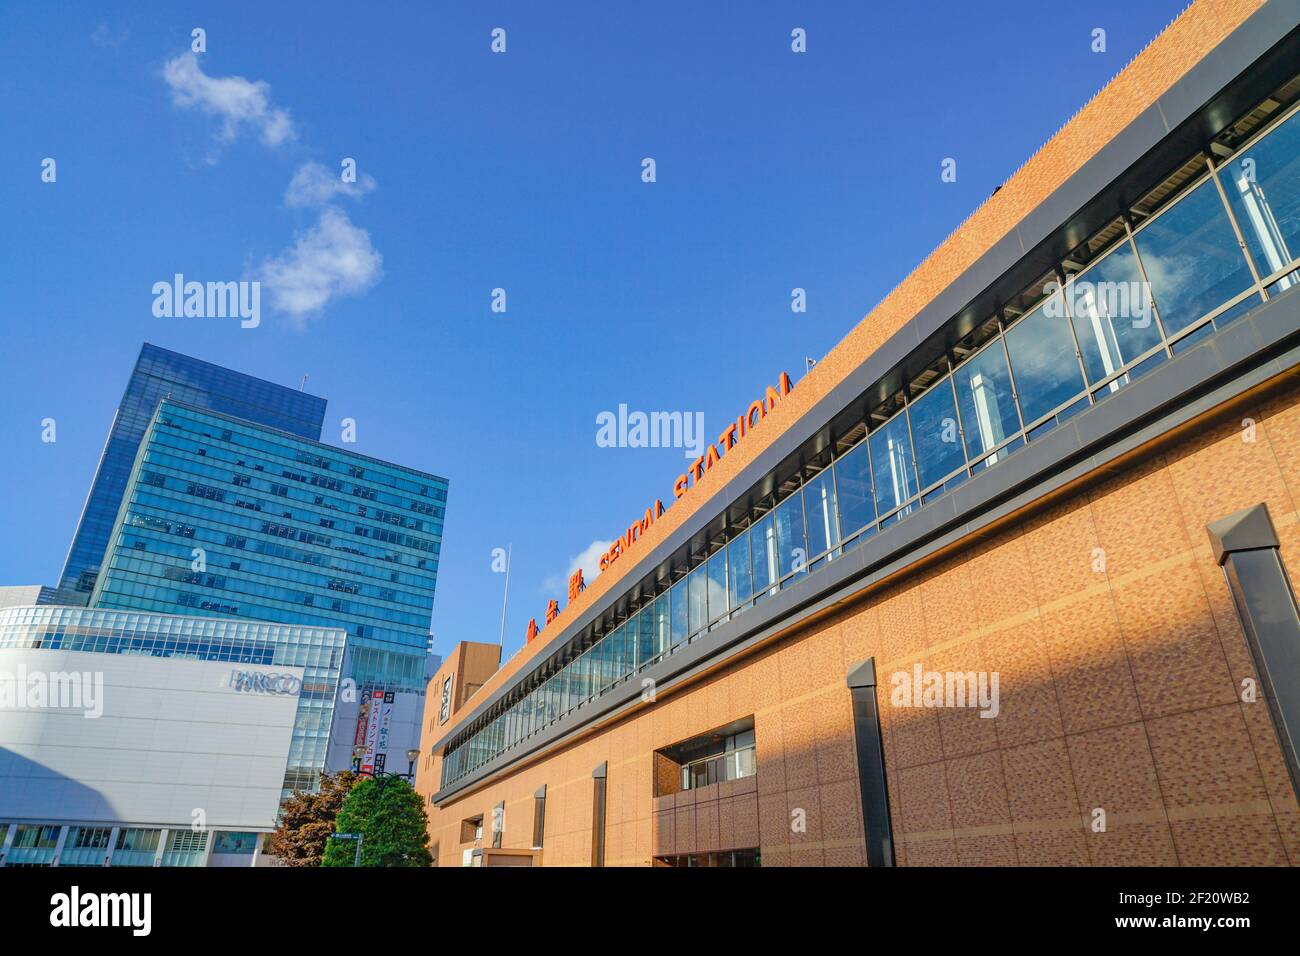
334,258
237,101
314,185
588,559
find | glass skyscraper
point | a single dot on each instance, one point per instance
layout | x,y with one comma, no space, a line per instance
318,650
158,374
223,517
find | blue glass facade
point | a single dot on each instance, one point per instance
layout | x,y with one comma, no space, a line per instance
159,373
1217,238
318,650
226,518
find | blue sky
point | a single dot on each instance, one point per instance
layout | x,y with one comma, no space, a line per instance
519,171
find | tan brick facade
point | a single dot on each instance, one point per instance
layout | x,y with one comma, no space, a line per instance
1119,690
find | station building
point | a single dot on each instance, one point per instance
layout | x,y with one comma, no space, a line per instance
1007,578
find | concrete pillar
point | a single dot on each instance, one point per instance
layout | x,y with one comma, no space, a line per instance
112,846
11,829
58,847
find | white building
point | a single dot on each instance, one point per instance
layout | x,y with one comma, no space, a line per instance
156,742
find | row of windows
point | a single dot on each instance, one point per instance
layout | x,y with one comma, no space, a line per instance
136,559
187,449
20,624
167,626
1142,293
126,589
165,507
735,759
165,635
242,653
275,550
383,473
176,473
728,858
146,533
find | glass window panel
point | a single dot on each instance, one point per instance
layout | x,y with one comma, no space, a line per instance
579,680
642,626
1228,316
663,629
626,650
742,583
597,655
935,435
523,721
717,603
819,511
1043,360
857,503
680,612
593,681
609,658
588,672
603,660
1263,188
545,703
988,412
1112,315
562,692
891,452
1192,259
762,551
649,632
538,708
613,656
582,677
790,536
552,697
697,599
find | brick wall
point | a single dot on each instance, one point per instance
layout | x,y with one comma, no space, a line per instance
1119,690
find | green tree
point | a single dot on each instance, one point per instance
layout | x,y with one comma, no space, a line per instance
391,819
307,820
